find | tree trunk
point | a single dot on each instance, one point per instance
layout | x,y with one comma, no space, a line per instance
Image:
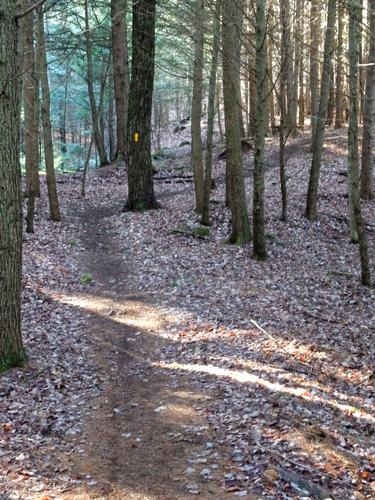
367,192
99,141
259,241
339,68
11,349
252,81
314,62
196,110
283,137
232,16
211,115
218,107
120,73
30,104
318,138
141,187
357,225
46,120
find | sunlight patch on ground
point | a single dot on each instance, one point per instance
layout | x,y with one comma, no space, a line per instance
132,313
248,378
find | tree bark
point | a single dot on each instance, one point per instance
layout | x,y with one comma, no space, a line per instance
196,110
314,62
140,180
367,192
11,348
283,130
259,239
46,119
357,225
318,137
121,81
211,115
99,141
339,68
231,20
30,106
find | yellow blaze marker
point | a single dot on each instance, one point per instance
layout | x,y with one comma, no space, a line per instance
136,137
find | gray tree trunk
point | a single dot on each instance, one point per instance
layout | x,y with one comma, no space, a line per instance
314,62
367,191
121,81
211,115
11,348
318,137
339,68
140,180
46,119
259,238
196,110
357,225
231,20
99,141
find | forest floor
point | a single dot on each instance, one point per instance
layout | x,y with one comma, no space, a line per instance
164,365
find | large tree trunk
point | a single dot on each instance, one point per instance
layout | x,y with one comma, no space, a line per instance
141,187
46,119
11,349
357,225
196,110
120,73
232,19
30,112
368,112
259,241
211,115
99,141
318,137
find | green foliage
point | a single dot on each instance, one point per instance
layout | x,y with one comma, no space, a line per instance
85,279
336,274
12,361
200,232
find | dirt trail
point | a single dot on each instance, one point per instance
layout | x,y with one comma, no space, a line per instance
136,436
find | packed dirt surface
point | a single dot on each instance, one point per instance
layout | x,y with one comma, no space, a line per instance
144,426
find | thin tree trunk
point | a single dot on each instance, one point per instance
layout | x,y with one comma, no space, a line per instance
283,110
314,62
218,107
211,116
318,138
367,192
30,103
86,167
270,86
196,111
259,241
357,225
99,142
232,19
11,348
46,120
339,68
252,81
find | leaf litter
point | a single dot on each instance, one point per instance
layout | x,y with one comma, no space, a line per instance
285,347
